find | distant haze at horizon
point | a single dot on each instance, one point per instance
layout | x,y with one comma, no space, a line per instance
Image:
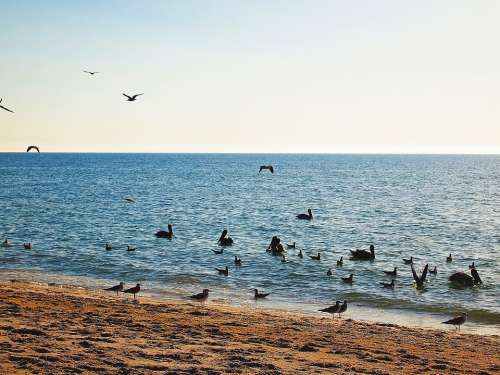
251,77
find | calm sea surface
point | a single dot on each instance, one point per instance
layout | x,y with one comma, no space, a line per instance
70,205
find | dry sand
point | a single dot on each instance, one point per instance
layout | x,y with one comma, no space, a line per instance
67,330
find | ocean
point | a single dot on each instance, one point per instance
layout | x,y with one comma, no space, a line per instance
428,206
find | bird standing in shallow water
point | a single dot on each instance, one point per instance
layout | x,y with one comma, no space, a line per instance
116,288
457,321
133,290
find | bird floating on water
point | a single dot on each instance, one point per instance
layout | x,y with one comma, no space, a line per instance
283,258
258,295
340,262
463,280
133,290
33,148
315,257
131,248
388,285
363,254
7,109
471,266
237,260
291,246
218,252
332,309
408,261
200,296
6,243
223,271
165,233
27,246
132,98
91,73
449,258
433,271
419,281
266,167
300,255
392,273
225,241
329,272
116,288
307,216
457,321
348,280
109,246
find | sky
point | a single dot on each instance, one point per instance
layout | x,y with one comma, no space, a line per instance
251,76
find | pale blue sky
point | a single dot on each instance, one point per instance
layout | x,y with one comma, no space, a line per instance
251,76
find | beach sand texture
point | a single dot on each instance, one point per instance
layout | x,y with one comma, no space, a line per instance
68,330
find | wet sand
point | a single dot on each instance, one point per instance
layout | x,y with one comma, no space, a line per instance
66,330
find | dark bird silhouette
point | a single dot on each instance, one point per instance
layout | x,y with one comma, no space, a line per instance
419,281
434,271
329,272
165,233
32,148
200,296
408,261
131,248
7,109
332,309
283,258
258,295
91,73
363,254
464,280
132,98
268,167
340,262
224,240
315,257
27,246
130,200
388,285
219,252
393,273
471,266
223,271
237,260
133,290
109,246
449,258
457,321
307,216
291,246
6,243
300,255
343,308
116,288
348,280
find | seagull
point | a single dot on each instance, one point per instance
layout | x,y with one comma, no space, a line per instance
27,246
91,73
268,167
434,271
419,280
291,246
1,106
307,216
315,257
388,285
363,254
258,295
348,280
392,273
200,296
343,308
109,246
116,288
132,98
457,321
408,261
300,255
449,258
133,290
165,233
329,272
340,262
224,271
237,260
218,251
332,309
32,148
131,248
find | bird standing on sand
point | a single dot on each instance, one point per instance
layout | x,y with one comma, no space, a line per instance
91,73
258,295
315,257
340,262
116,288
307,216
419,281
457,321
363,254
343,308
223,271
7,109
133,290
268,167
408,261
132,98
388,285
348,280
27,246
237,261
200,296
449,259
393,273
332,309
33,148
165,233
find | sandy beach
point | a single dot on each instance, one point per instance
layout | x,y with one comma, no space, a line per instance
52,329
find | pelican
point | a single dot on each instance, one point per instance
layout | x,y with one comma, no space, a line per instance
340,262
419,281
348,280
449,258
7,109
315,257
32,148
388,285
332,309
457,321
307,216
464,280
200,296
408,261
165,233
343,308
223,271
268,167
132,98
393,273
363,254
91,73
133,290
258,295
116,288
223,240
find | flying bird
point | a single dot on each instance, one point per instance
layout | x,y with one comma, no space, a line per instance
32,148
132,98
116,288
419,281
91,73
268,167
457,321
7,109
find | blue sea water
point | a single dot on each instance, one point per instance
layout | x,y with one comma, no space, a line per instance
70,205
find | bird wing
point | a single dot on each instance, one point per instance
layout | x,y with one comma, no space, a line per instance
271,169
415,276
424,273
126,95
261,168
8,110
136,95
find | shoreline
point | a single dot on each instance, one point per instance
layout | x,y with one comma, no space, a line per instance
360,312
64,329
